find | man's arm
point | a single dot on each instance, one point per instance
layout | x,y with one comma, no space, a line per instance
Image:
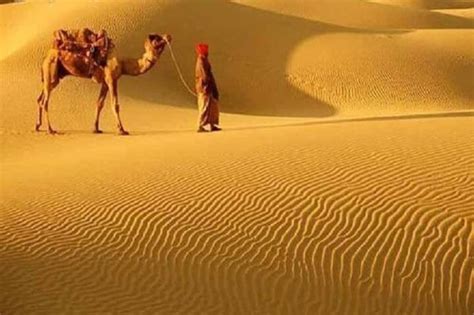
202,78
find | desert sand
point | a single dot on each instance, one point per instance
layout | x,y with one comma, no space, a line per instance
342,183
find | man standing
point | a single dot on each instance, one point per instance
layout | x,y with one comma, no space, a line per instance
206,90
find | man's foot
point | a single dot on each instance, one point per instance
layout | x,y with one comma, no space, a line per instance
52,131
122,132
201,129
215,128
97,131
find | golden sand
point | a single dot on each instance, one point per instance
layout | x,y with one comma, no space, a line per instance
343,182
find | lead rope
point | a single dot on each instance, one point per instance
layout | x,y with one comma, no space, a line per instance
179,70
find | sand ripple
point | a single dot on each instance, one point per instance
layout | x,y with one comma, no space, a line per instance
308,225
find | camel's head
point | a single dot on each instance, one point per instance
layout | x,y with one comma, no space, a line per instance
157,42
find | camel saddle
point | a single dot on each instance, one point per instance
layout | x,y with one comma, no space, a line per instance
92,47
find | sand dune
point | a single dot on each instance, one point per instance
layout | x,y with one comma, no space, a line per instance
430,4
342,183
368,15
254,80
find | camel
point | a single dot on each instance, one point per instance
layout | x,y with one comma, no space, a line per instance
61,63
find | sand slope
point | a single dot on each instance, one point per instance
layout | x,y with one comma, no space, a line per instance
343,182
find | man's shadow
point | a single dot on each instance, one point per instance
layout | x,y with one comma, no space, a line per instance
249,50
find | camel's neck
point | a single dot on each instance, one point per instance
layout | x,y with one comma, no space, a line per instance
142,65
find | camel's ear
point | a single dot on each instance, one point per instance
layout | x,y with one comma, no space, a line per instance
154,36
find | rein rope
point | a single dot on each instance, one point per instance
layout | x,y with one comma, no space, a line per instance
178,69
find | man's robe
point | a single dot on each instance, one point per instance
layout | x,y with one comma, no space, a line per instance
208,94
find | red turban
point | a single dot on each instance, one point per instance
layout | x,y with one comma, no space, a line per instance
202,49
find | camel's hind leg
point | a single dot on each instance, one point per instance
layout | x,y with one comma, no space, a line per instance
44,107
50,81
100,104
43,101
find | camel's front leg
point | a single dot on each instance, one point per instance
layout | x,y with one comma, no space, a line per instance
112,84
100,104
